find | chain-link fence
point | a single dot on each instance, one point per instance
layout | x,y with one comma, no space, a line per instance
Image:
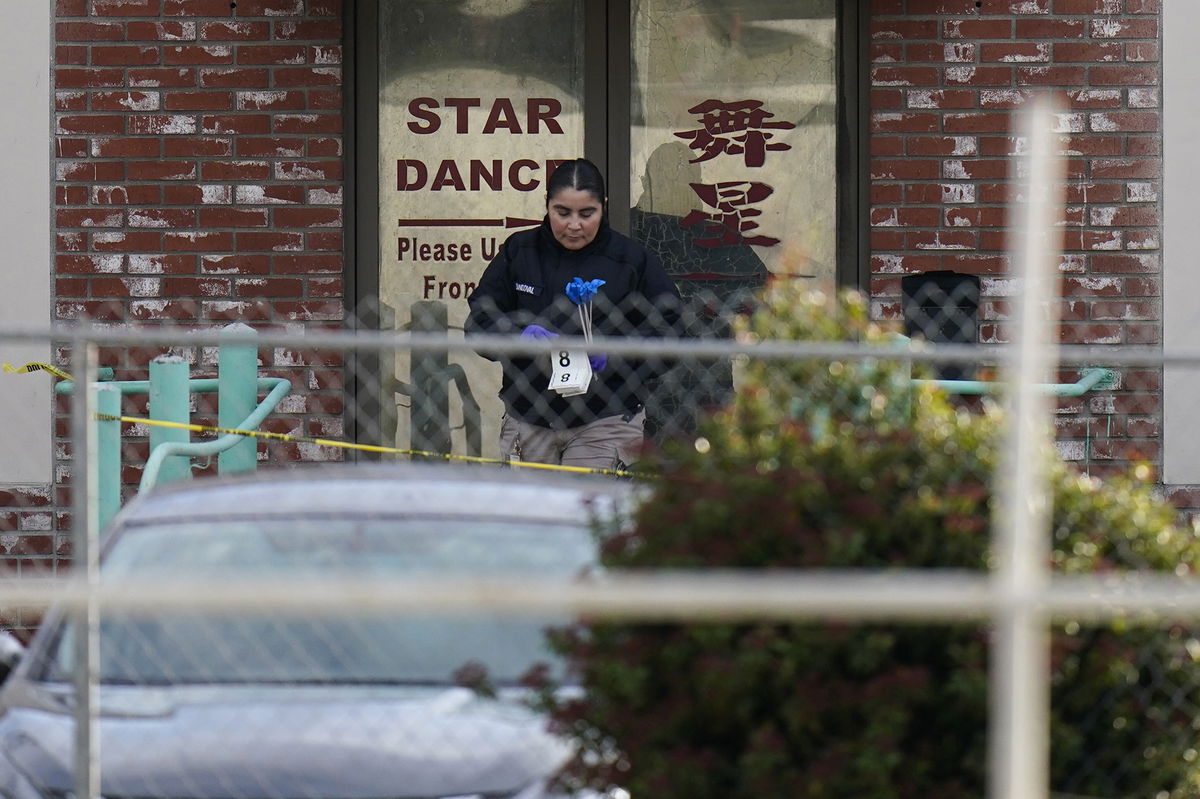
800,585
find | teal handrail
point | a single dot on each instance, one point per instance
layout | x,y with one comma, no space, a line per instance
1091,378
276,387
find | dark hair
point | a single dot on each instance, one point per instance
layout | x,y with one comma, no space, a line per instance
580,174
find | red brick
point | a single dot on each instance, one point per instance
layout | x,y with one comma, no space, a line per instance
306,123
237,124
275,147
905,76
198,241
233,78
320,147
307,264
269,287
905,123
1142,51
325,241
904,169
125,8
253,241
271,54
197,8
1106,7
887,193
162,170
70,8
978,29
70,101
941,240
88,264
905,217
236,264
161,124
173,218
333,8
978,76
167,77
307,217
982,122
884,99
887,146
134,147
1051,29
1015,52
89,32
160,264
70,195
935,52
1051,76
195,287
309,170
128,194
233,217
127,241
310,29
1127,122
903,29
1087,51
93,124
207,194
70,55
198,54
974,216
270,8
124,56
90,171
166,31
1124,76
271,101
125,101
307,76
943,98
88,78
235,170
1143,146
189,147
326,287
1125,29
198,101
70,148
236,31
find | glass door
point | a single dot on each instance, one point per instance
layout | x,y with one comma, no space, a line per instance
478,101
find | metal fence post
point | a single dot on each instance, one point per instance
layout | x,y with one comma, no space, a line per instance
170,402
108,452
237,395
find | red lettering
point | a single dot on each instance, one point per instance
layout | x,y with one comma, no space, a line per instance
448,176
461,104
403,166
543,109
480,175
503,115
420,107
514,175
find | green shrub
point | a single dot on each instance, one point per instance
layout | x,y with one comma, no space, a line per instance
814,467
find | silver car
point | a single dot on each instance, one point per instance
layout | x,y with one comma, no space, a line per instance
251,704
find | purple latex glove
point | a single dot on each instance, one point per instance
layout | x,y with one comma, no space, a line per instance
537,332
598,361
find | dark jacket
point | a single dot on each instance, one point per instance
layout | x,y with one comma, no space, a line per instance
526,284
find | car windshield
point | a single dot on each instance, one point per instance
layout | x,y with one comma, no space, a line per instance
271,647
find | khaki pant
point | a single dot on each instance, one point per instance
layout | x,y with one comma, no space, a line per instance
613,442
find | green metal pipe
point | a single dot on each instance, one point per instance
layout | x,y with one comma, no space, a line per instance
108,452
279,388
1090,379
237,394
170,401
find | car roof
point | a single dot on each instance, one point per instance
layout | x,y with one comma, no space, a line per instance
374,489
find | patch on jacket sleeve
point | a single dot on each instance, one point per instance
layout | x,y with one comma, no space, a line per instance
526,288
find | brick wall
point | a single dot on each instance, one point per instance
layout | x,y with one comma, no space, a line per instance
946,79
198,180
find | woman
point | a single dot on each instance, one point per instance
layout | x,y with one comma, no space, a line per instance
523,290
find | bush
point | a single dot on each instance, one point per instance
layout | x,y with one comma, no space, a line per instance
814,467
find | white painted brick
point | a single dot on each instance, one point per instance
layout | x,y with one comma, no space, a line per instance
325,196
143,286
1141,192
958,193
1071,450
1144,97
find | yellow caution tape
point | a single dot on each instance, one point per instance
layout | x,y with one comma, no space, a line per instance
36,367
330,442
